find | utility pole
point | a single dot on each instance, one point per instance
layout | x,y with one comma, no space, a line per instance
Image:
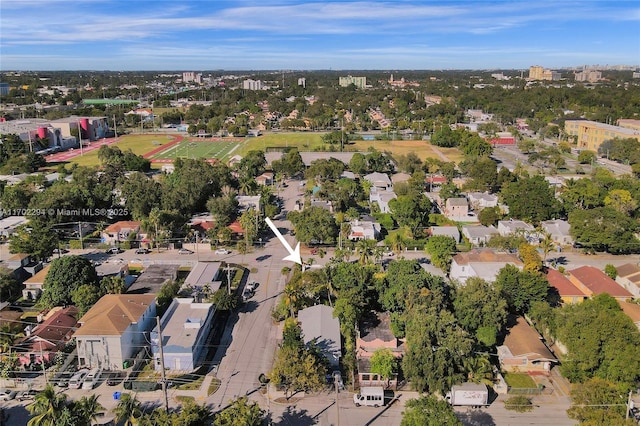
162,374
629,405
335,381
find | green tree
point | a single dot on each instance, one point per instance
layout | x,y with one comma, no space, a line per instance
586,157
47,407
539,203
611,271
621,200
65,276
518,403
88,409
384,364
481,310
364,250
358,164
521,288
38,239
530,257
85,296
489,216
225,301
314,223
599,402
441,249
9,285
112,285
603,228
240,413
128,410
429,411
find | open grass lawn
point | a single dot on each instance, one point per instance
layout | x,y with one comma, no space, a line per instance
422,149
302,140
519,380
139,144
224,149
193,148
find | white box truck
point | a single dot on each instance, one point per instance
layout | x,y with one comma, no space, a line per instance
469,394
369,395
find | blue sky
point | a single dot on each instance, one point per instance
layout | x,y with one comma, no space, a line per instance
303,35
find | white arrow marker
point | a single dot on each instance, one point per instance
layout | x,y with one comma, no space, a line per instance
294,255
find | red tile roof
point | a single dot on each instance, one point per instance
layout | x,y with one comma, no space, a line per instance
562,284
598,282
236,227
123,224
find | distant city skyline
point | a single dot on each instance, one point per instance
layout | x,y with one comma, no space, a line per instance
304,35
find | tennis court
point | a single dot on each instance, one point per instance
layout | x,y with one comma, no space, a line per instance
220,149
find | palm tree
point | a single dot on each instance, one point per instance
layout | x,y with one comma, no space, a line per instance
478,370
547,246
47,407
89,408
128,410
364,248
397,243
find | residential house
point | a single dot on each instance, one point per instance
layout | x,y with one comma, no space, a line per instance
400,177
247,202
456,207
323,204
482,263
479,235
632,310
364,230
374,333
482,200
22,265
233,161
124,230
629,277
379,181
559,231
323,329
265,179
42,341
447,231
566,290
592,281
9,225
382,198
153,278
524,351
185,326
205,278
114,330
33,286
509,227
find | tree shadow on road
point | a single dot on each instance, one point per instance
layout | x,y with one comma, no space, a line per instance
476,418
295,417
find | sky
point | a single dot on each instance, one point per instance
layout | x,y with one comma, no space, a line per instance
200,35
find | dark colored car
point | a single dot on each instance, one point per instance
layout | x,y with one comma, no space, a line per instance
27,395
115,378
62,379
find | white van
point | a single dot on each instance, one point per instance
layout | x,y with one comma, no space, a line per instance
91,380
369,395
76,381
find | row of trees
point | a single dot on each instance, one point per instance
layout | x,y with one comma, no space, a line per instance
51,408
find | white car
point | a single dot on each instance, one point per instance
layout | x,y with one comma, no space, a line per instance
222,251
184,251
6,394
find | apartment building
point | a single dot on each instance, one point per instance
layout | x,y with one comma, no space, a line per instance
537,72
359,82
592,134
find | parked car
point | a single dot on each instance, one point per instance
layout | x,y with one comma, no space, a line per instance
185,251
62,379
251,286
92,379
115,378
222,251
143,251
114,250
7,395
60,251
247,294
27,395
76,381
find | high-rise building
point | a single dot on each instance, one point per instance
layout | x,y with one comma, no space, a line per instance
191,77
253,85
537,72
359,82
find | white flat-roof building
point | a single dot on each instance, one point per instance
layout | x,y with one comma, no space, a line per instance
185,329
8,225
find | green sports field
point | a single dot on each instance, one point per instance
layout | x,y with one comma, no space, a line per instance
190,148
